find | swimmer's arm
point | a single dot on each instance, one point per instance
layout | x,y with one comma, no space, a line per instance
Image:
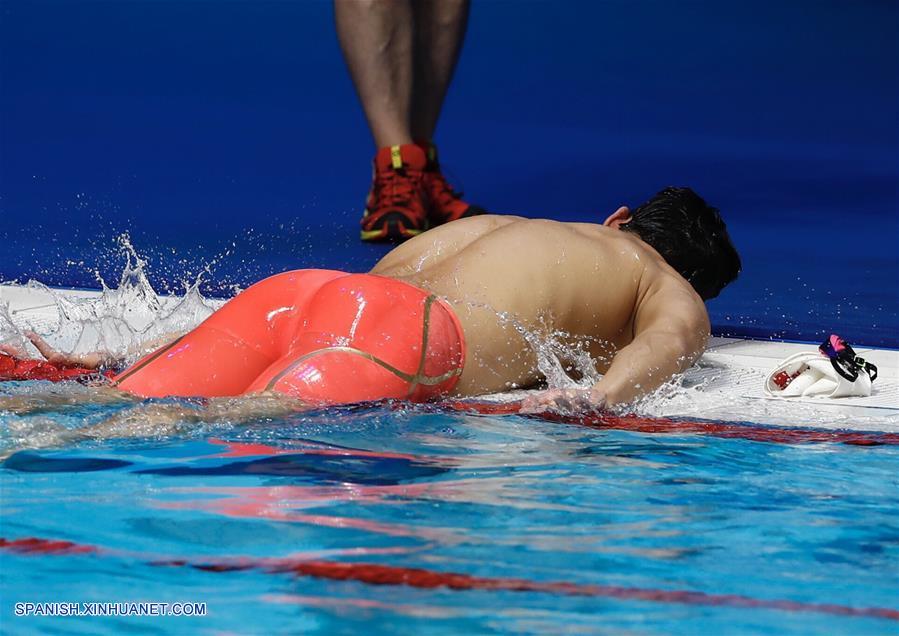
152,419
96,359
93,360
156,419
36,403
438,244
671,330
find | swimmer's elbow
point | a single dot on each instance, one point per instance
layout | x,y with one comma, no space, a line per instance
690,343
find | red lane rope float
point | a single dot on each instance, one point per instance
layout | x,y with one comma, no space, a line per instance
17,369
34,545
728,430
375,574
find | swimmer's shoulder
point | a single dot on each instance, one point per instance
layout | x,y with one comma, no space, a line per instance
586,244
626,252
663,291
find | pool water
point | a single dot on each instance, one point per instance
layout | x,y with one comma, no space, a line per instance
393,520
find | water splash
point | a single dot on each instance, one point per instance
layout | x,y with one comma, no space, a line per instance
9,333
562,358
118,320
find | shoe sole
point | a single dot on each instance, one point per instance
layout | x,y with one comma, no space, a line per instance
390,231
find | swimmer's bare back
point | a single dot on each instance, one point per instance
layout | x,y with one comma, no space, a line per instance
505,274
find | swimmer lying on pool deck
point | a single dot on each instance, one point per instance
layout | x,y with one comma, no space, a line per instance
448,313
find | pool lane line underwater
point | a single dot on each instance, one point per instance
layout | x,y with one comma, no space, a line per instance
377,574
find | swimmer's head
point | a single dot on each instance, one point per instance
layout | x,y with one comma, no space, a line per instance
689,234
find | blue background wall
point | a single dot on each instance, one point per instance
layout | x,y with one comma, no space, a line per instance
231,129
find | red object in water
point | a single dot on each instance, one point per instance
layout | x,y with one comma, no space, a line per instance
13,368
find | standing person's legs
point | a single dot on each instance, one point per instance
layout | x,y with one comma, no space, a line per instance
401,55
439,32
377,39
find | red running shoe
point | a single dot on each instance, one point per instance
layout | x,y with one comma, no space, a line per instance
446,203
396,208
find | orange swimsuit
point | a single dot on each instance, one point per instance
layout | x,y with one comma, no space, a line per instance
322,336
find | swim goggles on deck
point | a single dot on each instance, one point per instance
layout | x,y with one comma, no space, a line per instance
844,360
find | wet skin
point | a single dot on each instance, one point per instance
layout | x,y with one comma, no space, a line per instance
642,320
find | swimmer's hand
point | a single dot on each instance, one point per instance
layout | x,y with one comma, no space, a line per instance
566,401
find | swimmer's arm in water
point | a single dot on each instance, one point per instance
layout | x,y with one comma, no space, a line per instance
671,329
97,359
151,419
432,247
36,403
93,360
159,419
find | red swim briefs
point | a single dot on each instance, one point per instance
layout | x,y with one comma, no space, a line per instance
322,336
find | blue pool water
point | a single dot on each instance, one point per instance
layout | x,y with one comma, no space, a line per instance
784,527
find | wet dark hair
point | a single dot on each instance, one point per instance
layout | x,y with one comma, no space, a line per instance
690,236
